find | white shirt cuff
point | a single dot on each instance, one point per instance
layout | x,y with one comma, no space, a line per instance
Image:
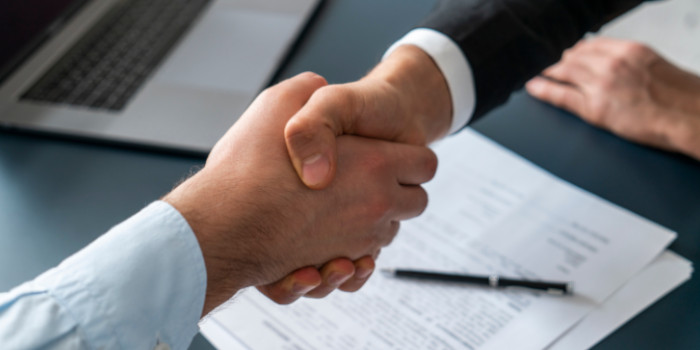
454,67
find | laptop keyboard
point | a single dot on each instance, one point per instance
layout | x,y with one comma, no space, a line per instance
106,67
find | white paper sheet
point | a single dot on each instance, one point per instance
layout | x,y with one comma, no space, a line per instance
490,212
663,275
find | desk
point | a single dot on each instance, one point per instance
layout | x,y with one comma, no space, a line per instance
56,195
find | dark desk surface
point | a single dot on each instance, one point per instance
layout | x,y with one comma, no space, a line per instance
56,196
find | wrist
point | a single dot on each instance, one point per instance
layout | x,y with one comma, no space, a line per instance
223,278
677,87
419,87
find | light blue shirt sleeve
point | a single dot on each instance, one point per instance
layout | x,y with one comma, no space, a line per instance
139,286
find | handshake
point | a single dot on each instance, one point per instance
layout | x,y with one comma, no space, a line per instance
301,194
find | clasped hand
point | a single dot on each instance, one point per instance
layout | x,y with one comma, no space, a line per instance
404,99
256,221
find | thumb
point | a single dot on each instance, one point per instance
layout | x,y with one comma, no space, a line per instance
310,134
312,148
365,108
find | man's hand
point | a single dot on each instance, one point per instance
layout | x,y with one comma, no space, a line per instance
256,221
404,99
629,89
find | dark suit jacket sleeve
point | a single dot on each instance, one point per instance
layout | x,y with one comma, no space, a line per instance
508,42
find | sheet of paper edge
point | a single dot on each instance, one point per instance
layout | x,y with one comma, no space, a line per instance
663,275
218,336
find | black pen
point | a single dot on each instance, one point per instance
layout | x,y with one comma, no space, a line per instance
493,281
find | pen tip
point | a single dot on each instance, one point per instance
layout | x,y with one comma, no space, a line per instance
570,288
388,271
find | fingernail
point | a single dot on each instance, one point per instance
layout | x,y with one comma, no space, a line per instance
337,278
363,273
315,169
301,289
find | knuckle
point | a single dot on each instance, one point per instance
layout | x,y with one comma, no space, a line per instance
336,94
614,65
310,75
342,99
568,55
299,128
583,43
635,49
308,129
328,103
267,93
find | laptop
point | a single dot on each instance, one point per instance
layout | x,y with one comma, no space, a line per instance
169,74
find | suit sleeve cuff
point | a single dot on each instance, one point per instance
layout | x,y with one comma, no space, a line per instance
454,67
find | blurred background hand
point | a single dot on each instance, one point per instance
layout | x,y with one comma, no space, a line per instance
629,89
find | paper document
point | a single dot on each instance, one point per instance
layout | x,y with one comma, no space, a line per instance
664,274
490,212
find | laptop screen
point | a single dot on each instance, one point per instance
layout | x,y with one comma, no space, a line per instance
25,24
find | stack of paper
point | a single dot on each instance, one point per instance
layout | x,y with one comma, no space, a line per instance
490,212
